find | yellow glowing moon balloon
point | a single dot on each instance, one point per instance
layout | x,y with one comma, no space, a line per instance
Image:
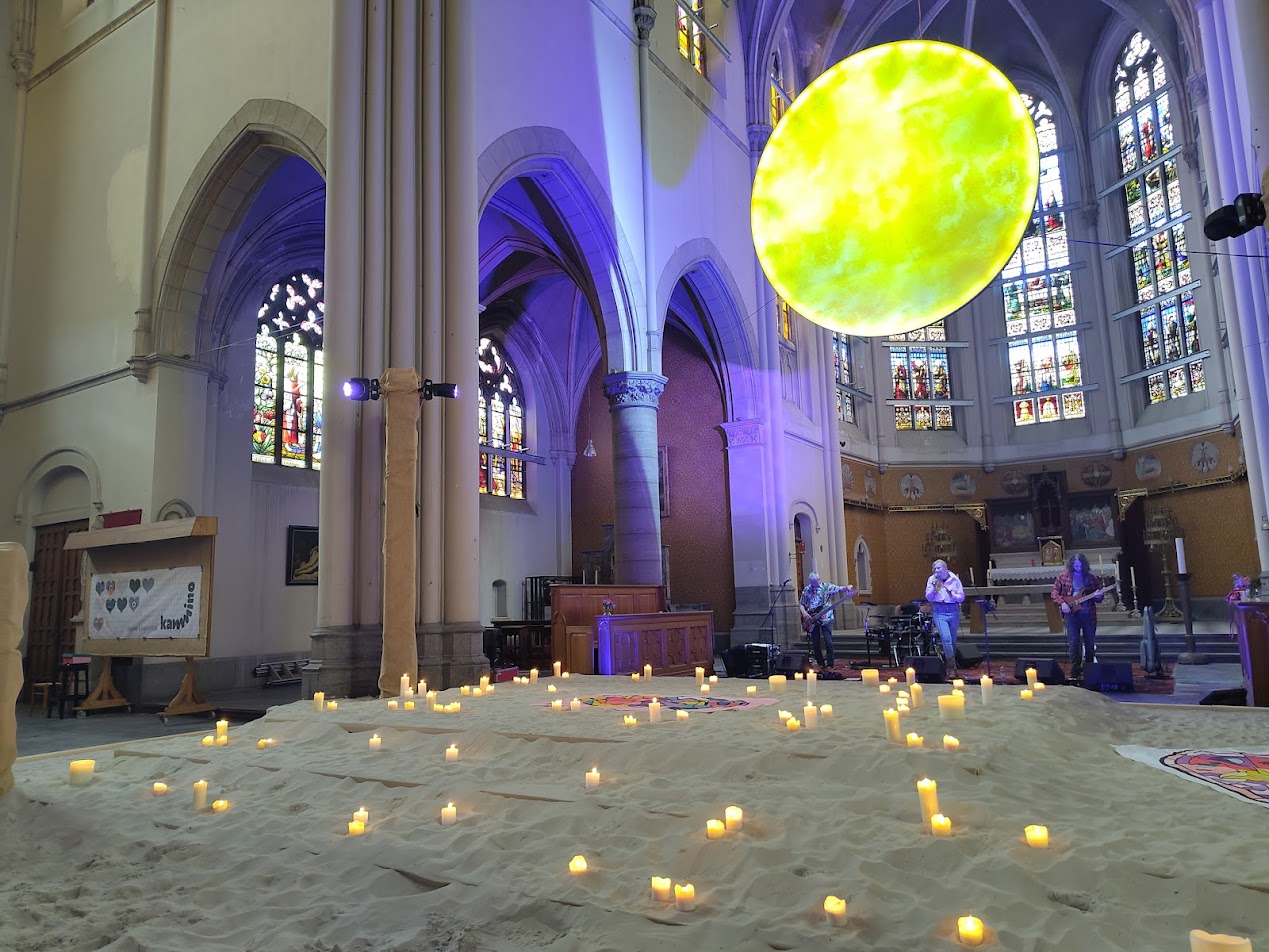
895,188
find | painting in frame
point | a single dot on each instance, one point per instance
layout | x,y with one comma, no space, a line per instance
1012,526
301,555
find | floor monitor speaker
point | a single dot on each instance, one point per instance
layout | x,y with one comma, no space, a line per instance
1046,670
928,668
792,662
1108,676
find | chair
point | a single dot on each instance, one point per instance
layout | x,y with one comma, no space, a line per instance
42,689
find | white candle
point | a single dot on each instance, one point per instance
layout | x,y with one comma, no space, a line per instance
209,740
661,891
797,676
835,911
647,672
220,806
810,716
918,696
200,795
681,715
362,815
735,818
713,679
985,684
575,705
1201,941
222,740
883,688
783,715
222,728
376,742
405,683
776,683
430,698
928,792
332,705
448,815
751,689
871,677
1031,677
654,711
465,690
714,829
577,864
910,674
592,778
793,724
892,724
565,675
557,705
634,675
408,692
950,742
1037,836
319,698
958,684
551,689
1038,687
1026,694
970,930
811,680
159,788
684,897
1180,556
700,676
940,825
704,688
826,710
451,754
356,828
484,681
556,666
409,705
478,692
533,675
392,705
629,720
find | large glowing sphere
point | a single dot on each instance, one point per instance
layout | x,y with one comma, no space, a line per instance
895,188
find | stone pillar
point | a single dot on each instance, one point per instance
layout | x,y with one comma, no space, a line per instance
563,460
632,399
21,58
400,478
747,498
14,592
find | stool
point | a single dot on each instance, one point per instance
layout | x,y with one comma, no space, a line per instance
42,689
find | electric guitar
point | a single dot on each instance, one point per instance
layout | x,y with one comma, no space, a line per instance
809,623
1072,602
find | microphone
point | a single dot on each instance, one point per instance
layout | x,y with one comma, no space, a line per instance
785,582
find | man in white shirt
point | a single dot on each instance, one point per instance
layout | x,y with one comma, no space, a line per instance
945,593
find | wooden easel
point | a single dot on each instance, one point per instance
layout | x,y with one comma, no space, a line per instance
187,700
105,695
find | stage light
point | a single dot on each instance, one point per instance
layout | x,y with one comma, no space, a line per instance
362,388
447,390
895,188
1230,221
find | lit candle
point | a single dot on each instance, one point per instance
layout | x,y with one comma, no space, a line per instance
319,698
430,697
826,710
159,788
1201,941
566,675
903,696
1037,687
950,742
264,742
557,705
477,692
883,688
551,689
222,728
892,681
902,707
735,818
810,716
453,708
577,864
209,740
928,791
951,707
684,897
1025,694
356,828
892,724
957,692
647,672
1031,677
911,675
575,705
408,692
200,795
704,688
970,930
332,705
714,829
376,742
797,675
751,689
634,675
421,689
1180,556
654,711
405,683
448,815
784,715
835,911
465,690
592,778
409,705
700,676
1037,836
220,806
958,684
556,667
940,825
915,739
533,675
918,696
629,720
713,679
793,724
811,679
484,681
661,891
776,683
1132,574
392,705
451,754
222,740
985,684
680,715
362,815
871,677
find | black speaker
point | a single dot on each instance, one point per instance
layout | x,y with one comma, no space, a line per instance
1046,670
928,668
1108,676
792,662
967,656
736,662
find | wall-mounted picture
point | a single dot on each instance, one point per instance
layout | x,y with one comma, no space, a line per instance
1012,527
1092,522
301,555
663,480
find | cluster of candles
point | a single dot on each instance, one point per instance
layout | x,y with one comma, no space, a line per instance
220,738
733,822
683,895
357,825
810,716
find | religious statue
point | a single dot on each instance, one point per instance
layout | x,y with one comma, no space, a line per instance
921,388
900,383
942,389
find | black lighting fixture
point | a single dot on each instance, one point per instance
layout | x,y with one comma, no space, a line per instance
1230,221
431,389
362,388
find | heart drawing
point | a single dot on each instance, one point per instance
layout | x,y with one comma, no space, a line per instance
101,587
133,602
135,585
147,583
98,621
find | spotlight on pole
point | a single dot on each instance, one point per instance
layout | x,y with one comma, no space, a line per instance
362,388
447,390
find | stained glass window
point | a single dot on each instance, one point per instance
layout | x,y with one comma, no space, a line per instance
1039,299
691,36
845,374
287,411
777,92
501,424
784,318
1167,322
919,372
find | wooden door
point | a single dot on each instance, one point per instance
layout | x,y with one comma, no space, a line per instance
56,596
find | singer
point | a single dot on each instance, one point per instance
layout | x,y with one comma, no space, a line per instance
945,593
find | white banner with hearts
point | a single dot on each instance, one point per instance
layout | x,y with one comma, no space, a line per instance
160,603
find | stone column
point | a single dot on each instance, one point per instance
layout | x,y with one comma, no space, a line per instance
400,477
14,592
21,58
633,397
747,499
563,460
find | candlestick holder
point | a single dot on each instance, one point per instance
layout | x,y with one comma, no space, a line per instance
1135,612
1169,611
1191,654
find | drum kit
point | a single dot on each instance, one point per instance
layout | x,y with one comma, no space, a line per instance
911,632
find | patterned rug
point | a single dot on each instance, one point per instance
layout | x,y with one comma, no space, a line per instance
635,702
1242,774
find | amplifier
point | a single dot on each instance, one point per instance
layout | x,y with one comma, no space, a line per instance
1108,676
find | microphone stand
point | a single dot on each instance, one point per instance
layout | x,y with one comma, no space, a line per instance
771,611
988,607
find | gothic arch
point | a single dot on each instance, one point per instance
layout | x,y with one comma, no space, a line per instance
67,457
241,157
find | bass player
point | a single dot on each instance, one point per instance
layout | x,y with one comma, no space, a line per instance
816,605
1077,590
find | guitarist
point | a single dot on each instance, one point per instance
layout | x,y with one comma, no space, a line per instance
816,605
1069,588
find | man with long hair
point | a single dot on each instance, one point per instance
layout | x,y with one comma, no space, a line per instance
1077,591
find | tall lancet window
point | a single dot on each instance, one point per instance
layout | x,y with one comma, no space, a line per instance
501,423
920,375
1044,347
844,371
1164,311
691,36
287,413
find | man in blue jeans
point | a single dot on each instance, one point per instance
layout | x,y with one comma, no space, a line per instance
1077,590
816,606
945,593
